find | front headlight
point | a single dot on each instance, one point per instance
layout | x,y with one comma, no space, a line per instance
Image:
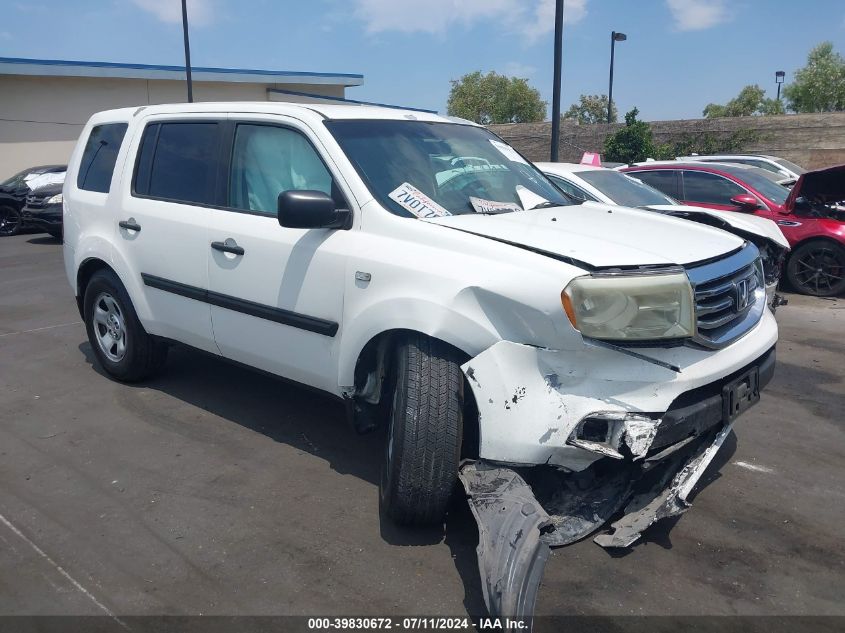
631,307
57,199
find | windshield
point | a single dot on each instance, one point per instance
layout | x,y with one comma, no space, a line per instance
763,181
15,180
624,190
425,169
795,169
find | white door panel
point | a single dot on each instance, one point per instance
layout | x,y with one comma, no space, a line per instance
173,246
168,252
292,281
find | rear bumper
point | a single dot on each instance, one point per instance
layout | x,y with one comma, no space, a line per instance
541,406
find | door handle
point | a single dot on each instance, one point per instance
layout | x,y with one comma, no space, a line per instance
229,246
130,224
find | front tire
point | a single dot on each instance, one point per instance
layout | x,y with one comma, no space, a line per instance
10,221
424,432
120,343
817,268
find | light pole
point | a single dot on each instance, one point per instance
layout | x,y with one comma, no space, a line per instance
614,37
779,77
556,83
187,50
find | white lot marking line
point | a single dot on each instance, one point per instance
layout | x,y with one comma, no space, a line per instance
38,329
61,570
754,467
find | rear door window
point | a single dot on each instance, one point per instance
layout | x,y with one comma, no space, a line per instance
700,186
177,161
98,159
665,180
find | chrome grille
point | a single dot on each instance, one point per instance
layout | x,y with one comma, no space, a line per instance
730,297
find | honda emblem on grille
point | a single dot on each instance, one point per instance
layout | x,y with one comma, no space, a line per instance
742,297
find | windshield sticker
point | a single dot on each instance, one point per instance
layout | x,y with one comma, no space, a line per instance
527,198
412,199
508,152
491,207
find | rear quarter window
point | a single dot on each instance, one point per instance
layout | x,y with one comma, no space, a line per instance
98,159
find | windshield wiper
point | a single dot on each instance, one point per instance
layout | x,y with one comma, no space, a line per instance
496,212
544,205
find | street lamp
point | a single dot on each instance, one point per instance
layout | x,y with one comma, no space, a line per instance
558,61
187,51
614,37
779,77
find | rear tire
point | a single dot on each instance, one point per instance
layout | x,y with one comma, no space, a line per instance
817,268
10,221
120,343
424,432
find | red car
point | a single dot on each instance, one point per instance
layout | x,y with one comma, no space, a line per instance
810,215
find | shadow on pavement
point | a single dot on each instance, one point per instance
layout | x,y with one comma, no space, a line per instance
316,424
312,423
44,240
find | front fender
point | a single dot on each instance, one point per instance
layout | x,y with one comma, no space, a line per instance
471,319
415,314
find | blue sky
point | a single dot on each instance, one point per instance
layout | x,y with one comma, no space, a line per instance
680,54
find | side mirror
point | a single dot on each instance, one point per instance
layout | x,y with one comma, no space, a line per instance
801,206
746,202
306,209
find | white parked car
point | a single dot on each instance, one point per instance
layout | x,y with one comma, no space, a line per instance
422,270
607,186
786,171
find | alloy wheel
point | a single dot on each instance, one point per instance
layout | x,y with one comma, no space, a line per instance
110,327
820,270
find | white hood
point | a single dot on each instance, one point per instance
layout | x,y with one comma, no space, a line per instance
747,222
601,235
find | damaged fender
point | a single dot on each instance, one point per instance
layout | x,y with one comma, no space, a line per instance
536,405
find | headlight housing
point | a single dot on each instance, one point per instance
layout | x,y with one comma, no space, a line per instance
631,308
57,199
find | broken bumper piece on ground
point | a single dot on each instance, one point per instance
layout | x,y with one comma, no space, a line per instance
523,512
646,508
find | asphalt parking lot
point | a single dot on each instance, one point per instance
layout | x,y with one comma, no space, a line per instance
216,490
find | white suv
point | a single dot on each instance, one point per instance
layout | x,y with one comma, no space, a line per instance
420,269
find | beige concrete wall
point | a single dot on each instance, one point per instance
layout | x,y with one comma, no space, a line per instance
811,140
41,117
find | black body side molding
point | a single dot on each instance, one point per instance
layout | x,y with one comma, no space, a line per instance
259,310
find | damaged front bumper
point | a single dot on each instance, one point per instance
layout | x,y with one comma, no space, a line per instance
522,515
569,439
570,408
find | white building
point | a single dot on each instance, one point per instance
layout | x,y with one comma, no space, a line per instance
45,102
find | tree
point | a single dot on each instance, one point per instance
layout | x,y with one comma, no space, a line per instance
591,109
632,143
751,100
820,85
494,98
